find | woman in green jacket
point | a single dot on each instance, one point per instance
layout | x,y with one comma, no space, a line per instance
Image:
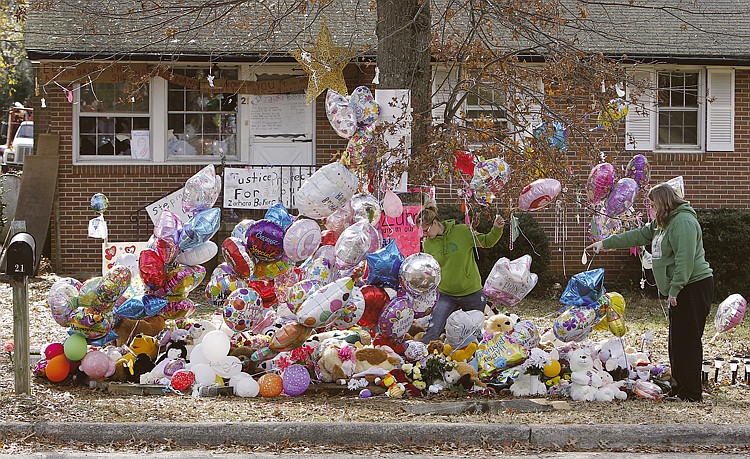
682,275
452,244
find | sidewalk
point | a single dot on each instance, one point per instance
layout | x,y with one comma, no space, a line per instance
573,436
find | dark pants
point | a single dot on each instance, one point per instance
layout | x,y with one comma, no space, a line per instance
446,305
686,323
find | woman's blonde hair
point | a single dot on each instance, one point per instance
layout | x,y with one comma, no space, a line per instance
665,200
428,214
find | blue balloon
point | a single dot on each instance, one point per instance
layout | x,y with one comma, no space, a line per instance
556,137
200,228
278,214
383,266
104,340
140,307
584,288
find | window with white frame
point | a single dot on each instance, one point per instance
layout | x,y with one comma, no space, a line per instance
108,113
679,109
202,124
486,103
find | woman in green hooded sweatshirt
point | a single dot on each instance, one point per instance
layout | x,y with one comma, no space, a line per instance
682,275
452,244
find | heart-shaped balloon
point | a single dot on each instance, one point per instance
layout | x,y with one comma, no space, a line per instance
392,205
365,108
340,114
375,300
151,266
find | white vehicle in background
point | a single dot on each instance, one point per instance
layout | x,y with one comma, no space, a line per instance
22,145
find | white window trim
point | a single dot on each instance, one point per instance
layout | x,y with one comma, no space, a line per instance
158,122
701,148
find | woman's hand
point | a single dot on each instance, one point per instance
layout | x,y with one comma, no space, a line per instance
596,246
499,221
672,300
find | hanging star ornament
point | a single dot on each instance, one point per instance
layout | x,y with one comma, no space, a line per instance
324,64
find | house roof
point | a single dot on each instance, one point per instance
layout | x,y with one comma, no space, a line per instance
716,30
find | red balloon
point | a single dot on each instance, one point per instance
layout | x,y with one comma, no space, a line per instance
166,248
375,300
328,237
182,379
265,289
151,266
236,254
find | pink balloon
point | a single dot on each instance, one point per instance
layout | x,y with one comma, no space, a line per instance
392,204
302,239
538,194
168,226
95,364
340,219
600,181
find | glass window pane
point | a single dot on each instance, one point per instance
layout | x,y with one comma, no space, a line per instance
690,135
87,145
176,100
87,125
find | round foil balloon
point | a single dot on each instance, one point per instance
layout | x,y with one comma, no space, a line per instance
59,301
265,240
272,269
202,253
538,194
266,290
423,304
201,190
420,273
240,229
366,207
181,280
600,181
90,323
114,283
396,318
99,203
329,188
182,380
340,219
353,244
220,286
178,309
361,145
242,309
321,270
639,170
621,197
236,255
462,327
575,323
730,312
302,239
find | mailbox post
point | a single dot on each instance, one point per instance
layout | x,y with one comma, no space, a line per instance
20,264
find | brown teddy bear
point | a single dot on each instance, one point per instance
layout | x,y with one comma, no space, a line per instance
150,326
464,375
371,357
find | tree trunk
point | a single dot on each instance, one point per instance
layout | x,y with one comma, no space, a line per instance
403,58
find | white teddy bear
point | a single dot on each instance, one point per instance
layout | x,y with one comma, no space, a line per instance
585,380
610,389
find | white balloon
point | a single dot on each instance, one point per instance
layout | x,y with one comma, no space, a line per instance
510,281
246,387
215,345
197,356
329,188
199,254
326,305
462,326
204,374
227,367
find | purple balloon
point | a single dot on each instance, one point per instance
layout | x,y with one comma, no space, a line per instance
396,318
621,197
639,170
265,239
295,380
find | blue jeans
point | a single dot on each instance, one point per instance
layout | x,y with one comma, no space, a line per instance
446,305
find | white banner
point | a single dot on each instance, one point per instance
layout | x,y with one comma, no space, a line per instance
172,201
262,187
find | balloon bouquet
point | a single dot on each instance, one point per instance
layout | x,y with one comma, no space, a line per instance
158,284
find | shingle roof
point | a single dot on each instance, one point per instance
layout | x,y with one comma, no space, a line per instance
717,29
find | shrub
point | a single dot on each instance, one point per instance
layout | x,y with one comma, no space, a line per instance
726,233
537,244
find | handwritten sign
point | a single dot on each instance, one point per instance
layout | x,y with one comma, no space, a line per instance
140,146
281,114
172,201
262,187
403,229
112,251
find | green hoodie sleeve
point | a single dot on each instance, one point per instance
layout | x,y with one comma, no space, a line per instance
489,239
682,239
633,238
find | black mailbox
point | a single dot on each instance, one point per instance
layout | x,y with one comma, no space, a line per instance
20,254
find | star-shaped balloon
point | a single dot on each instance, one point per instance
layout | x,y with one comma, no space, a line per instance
324,64
383,266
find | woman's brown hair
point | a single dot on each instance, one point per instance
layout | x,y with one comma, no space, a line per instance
428,214
665,200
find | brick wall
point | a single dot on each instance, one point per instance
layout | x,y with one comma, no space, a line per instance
713,179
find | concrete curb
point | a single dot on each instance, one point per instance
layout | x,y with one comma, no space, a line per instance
582,437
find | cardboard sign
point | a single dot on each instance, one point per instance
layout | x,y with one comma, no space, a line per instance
173,202
403,229
111,251
262,187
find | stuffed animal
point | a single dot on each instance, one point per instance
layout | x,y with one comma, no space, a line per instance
351,336
175,351
527,385
150,326
612,356
141,344
585,380
463,374
138,367
436,347
244,353
368,358
397,384
463,354
500,323
335,358
610,389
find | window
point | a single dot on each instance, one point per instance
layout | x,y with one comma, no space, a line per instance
486,104
201,123
680,112
25,131
107,115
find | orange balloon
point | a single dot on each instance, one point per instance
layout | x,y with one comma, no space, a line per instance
271,385
57,368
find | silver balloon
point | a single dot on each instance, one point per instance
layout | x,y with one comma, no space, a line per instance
420,273
366,207
353,244
240,229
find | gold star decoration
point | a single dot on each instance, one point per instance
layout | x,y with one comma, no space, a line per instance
324,64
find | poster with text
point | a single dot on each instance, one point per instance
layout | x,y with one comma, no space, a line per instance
403,229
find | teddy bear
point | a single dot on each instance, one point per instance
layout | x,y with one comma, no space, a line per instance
141,344
463,374
372,358
463,354
585,380
335,360
175,351
612,355
150,326
500,323
610,390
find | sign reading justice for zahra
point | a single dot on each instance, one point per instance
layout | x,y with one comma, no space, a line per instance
262,187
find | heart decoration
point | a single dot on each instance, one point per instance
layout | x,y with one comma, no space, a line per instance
130,249
109,253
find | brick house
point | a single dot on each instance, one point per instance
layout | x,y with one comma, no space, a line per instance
86,61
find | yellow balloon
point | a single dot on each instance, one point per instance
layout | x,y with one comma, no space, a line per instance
616,314
553,369
603,308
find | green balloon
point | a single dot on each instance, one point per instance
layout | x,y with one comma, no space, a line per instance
75,347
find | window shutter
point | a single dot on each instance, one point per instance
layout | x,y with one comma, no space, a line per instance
444,81
720,110
641,115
